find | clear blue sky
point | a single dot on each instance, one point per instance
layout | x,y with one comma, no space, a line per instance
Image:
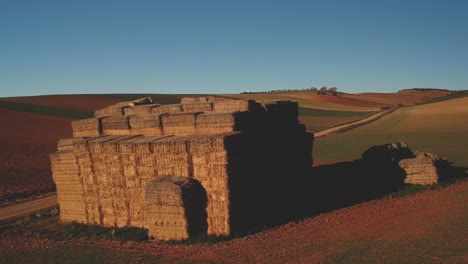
62,47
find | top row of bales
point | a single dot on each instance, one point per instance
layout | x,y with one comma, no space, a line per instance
194,115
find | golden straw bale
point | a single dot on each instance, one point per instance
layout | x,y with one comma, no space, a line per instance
197,107
420,170
67,144
231,105
189,100
116,125
149,131
178,124
203,99
110,111
164,109
86,124
145,121
139,109
86,133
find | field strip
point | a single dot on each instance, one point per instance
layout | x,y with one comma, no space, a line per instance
28,207
354,124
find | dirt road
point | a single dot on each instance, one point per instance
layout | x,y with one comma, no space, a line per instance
28,207
355,123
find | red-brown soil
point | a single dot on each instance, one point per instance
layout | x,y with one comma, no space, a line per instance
343,100
26,140
405,97
87,103
428,227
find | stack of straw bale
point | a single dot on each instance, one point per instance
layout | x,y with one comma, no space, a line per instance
207,139
116,125
179,124
146,124
167,208
139,109
419,171
90,127
66,175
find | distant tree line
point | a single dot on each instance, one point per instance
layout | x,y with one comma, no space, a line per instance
322,91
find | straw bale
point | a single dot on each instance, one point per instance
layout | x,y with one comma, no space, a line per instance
421,170
110,111
203,99
164,109
139,109
86,124
197,107
145,121
87,133
67,144
149,131
116,122
232,105
181,119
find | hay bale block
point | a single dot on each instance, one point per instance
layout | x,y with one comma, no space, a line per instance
179,124
86,124
197,107
203,99
110,111
139,109
175,208
136,102
116,125
232,105
145,121
421,170
67,144
164,109
86,133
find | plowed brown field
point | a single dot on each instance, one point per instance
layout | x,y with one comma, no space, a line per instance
26,140
87,103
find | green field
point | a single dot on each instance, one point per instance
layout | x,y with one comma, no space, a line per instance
437,128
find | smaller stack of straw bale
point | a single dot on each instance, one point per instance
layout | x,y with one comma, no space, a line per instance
90,127
419,171
167,208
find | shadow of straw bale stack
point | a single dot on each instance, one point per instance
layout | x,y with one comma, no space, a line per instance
209,165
